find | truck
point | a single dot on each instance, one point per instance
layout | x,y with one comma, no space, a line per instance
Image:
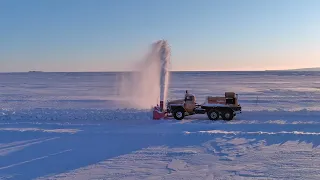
226,107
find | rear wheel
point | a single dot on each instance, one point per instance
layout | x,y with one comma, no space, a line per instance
178,114
227,114
213,114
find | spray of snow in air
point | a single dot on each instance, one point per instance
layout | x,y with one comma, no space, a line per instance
148,83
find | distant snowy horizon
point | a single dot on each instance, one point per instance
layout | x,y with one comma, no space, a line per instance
268,70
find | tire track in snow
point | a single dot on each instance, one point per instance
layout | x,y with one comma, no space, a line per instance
35,159
72,131
6,149
257,132
5,145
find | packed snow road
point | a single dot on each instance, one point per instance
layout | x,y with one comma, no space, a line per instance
257,145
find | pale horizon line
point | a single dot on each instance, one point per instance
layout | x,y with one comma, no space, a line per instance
300,69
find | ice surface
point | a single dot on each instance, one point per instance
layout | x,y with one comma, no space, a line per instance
75,126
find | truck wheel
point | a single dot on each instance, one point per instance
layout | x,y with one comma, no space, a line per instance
227,115
213,114
178,114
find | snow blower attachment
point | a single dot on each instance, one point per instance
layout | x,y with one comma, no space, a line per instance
158,113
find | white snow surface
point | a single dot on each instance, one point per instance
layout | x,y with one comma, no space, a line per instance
76,126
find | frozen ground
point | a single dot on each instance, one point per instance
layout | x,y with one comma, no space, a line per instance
72,126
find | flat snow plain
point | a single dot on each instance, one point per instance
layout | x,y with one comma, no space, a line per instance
73,126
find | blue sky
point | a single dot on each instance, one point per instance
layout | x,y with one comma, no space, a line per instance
111,35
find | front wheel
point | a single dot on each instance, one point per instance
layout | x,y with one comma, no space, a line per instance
178,114
213,114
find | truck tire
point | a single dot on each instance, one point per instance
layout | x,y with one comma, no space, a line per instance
178,114
213,114
227,114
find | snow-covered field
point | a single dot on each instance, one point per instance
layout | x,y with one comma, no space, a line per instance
74,126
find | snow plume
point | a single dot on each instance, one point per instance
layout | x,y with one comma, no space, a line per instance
148,82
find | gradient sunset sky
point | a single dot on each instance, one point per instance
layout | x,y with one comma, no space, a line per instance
112,35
